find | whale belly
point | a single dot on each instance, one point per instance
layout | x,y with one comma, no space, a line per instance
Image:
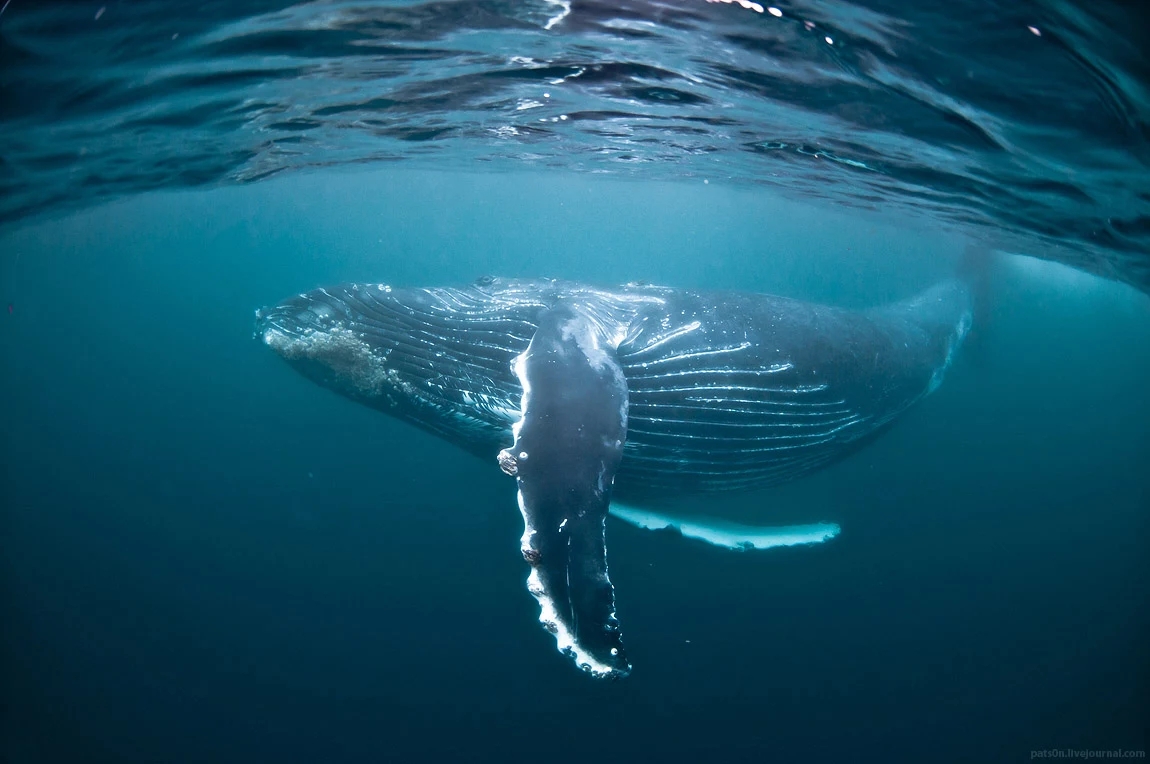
772,390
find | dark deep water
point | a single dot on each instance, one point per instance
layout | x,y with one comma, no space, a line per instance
207,558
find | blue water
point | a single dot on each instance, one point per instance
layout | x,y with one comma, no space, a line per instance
207,558
1022,124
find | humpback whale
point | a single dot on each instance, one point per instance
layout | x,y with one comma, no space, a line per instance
589,395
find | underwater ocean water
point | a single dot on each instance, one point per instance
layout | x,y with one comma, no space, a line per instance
207,558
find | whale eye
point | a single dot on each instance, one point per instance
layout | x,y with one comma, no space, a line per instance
485,281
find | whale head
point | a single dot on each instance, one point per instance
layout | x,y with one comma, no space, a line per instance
440,358
326,337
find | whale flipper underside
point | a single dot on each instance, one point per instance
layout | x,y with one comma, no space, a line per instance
567,448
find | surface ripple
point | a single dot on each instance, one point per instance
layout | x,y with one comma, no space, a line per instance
1023,124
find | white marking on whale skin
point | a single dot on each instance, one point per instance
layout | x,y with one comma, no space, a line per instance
585,330
528,531
741,388
701,353
564,640
588,341
519,366
739,429
725,534
345,353
761,403
694,325
612,314
711,372
494,405
953,343
549,615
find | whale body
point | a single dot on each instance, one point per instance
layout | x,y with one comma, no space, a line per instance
589,395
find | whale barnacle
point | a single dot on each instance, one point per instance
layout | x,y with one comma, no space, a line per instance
508,463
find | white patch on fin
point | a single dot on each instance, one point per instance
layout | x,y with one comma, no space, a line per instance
564,639
519,366
727,534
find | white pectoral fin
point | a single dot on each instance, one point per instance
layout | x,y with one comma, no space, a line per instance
727,534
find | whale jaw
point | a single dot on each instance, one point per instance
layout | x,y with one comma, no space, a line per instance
437,358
